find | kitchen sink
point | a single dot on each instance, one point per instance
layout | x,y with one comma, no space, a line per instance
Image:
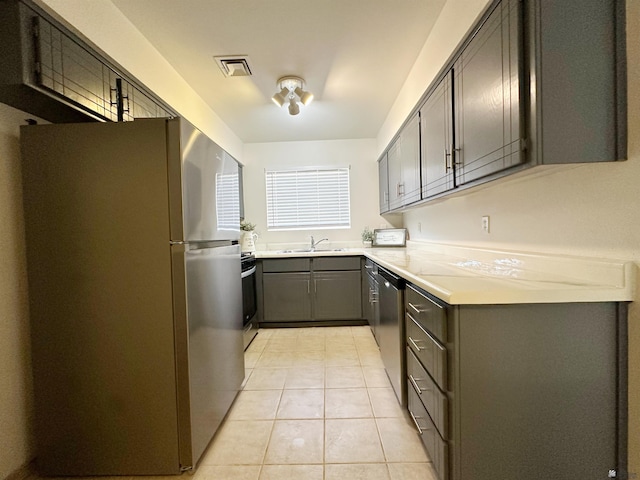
314,250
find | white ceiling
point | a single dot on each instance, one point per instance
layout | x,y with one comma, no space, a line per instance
353,54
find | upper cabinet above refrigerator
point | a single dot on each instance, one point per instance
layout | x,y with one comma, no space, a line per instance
49,71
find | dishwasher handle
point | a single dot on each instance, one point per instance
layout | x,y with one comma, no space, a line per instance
395,280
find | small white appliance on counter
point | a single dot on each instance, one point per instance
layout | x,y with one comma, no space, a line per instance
135,294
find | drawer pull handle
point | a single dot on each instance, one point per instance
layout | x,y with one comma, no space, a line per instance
416,387
415,421
423,330
415,345
417,310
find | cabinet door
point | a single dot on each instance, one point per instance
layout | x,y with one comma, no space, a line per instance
436,123
403,159
286,297
538,383
410,161
579,78
383,183
394,168
337,295
69,69
487,97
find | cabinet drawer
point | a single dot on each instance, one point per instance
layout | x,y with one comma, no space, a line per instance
430,315
437,448
431,354
336,263
435,402
286,265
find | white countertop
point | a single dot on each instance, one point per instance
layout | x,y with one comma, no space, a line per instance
469,276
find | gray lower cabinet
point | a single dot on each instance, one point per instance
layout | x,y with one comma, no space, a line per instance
337,295
525,391
318,289
287,296
370,292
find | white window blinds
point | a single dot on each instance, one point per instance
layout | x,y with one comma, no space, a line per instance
228,201
308,198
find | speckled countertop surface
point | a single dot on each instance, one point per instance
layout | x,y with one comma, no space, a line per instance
460,275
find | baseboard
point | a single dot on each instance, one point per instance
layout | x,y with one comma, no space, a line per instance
314,323
24,472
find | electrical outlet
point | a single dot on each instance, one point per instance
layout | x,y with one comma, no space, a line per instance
485,224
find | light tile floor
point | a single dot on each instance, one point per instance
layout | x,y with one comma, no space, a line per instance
316,405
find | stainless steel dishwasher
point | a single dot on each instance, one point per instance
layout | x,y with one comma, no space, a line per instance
390,331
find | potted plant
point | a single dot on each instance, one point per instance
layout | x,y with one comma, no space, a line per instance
367,237
247,226
247,241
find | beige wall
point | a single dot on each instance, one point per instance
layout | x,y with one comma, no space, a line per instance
455,19
589,210
16,396
586,209
363,175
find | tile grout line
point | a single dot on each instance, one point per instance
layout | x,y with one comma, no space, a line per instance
361,349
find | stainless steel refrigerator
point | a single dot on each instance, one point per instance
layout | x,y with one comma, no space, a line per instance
134,293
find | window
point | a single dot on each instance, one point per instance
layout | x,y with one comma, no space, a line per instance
228,201
308,198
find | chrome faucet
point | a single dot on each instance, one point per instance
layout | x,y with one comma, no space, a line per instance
314,244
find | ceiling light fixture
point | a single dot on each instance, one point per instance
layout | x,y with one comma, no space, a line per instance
292,88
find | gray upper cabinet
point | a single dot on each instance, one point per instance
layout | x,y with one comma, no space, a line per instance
436,123
51,72
383,183
394,174
577,56
403,159
535,82
487,97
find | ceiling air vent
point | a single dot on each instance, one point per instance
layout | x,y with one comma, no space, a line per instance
234,65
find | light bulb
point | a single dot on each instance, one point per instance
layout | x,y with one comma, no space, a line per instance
294,109
305,97
280,97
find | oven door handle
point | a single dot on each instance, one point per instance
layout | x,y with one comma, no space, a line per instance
251,271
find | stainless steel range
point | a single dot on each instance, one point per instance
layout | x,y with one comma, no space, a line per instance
249,303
